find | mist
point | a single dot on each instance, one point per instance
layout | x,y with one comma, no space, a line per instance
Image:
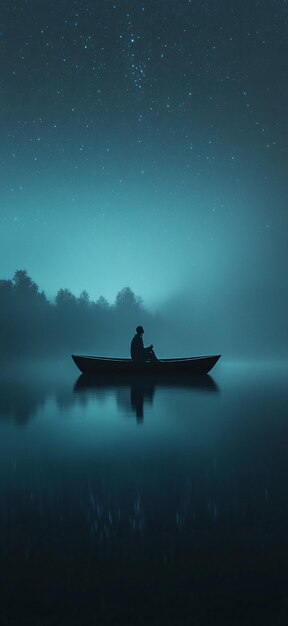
188,323
243,316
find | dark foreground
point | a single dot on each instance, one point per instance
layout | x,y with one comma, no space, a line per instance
144,503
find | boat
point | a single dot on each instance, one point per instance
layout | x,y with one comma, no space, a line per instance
196,365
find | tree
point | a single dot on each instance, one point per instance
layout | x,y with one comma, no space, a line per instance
126,299
65,298
84,299
102,303
24,285
6,288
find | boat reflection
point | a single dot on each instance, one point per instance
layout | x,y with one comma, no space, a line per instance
24,397
133,392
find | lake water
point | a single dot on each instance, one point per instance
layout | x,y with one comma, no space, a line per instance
144,503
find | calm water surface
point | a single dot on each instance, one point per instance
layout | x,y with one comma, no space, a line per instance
144,502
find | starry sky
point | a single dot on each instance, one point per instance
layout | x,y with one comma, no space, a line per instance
144,143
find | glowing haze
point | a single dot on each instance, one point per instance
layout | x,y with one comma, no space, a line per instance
144,143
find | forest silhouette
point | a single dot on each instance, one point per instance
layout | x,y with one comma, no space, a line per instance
31,324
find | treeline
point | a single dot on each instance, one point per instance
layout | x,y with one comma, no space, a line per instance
30,324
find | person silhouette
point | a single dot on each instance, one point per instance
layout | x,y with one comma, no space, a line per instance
138,353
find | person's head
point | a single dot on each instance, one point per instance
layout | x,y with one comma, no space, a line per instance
139,330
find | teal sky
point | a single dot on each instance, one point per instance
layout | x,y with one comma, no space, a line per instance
144,144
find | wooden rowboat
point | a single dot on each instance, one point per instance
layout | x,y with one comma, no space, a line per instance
193,365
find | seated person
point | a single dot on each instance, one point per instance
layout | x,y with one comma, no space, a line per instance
140,354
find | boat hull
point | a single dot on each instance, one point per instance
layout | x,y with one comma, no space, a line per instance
197,365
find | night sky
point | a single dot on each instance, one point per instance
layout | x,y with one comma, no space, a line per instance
144,143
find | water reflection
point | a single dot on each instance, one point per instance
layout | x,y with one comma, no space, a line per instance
187,513
25,394
20,400
134,392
